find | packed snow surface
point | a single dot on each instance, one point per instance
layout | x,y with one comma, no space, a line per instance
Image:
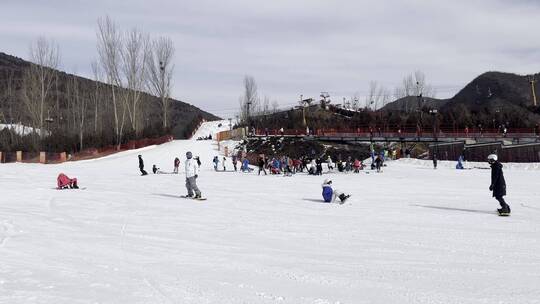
408,235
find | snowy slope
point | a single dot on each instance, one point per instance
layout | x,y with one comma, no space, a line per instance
408,235
21,129
211,128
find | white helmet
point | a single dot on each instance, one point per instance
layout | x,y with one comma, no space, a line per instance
492,157
327,181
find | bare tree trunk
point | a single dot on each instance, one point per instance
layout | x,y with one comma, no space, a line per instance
134,62
160,71
109,48
38,79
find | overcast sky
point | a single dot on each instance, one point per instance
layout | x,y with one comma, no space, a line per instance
297,46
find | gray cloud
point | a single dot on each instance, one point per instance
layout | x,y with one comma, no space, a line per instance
295,47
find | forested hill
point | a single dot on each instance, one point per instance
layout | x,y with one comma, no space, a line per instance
76,105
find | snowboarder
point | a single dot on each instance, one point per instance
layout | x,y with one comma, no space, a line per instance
198,161
141,166
155,169
224,160
64,182
234,162
245,166
434,161
319,167
192,173
330,163
176,165
261,163
498,184
216,162
330,195
459,164
378,163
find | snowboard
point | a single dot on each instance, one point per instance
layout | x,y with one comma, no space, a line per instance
80,188
503,213
193,198
341,202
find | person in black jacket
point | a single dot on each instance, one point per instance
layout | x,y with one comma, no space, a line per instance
261,162
141,166
498,185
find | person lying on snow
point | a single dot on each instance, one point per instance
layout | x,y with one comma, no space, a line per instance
330,195
64,182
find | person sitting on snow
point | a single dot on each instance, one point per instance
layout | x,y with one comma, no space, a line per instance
64,182
330,195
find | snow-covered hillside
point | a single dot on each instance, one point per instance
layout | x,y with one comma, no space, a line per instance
20,129
408,235
211,128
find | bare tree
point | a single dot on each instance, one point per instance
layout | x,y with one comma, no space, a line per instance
266,105
135,55
275,106
414,84
38,79
109,48
249,100
96,95
160,71
77,103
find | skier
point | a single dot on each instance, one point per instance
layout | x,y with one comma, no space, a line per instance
192,173
498,185
141,165
176,165
261,163
224,160
330,195
155,169
434,160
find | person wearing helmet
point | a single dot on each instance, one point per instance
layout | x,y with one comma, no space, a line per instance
192,172
330,195
498,184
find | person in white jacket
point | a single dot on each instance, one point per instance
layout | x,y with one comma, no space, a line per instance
192,172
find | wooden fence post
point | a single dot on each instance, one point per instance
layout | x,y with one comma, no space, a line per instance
42,157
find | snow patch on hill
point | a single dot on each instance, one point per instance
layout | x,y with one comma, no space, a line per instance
211,128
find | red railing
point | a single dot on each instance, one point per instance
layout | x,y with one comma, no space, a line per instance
405,132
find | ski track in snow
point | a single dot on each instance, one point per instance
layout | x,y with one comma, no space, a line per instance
407,235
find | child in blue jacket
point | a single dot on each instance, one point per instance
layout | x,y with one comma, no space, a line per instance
329,194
